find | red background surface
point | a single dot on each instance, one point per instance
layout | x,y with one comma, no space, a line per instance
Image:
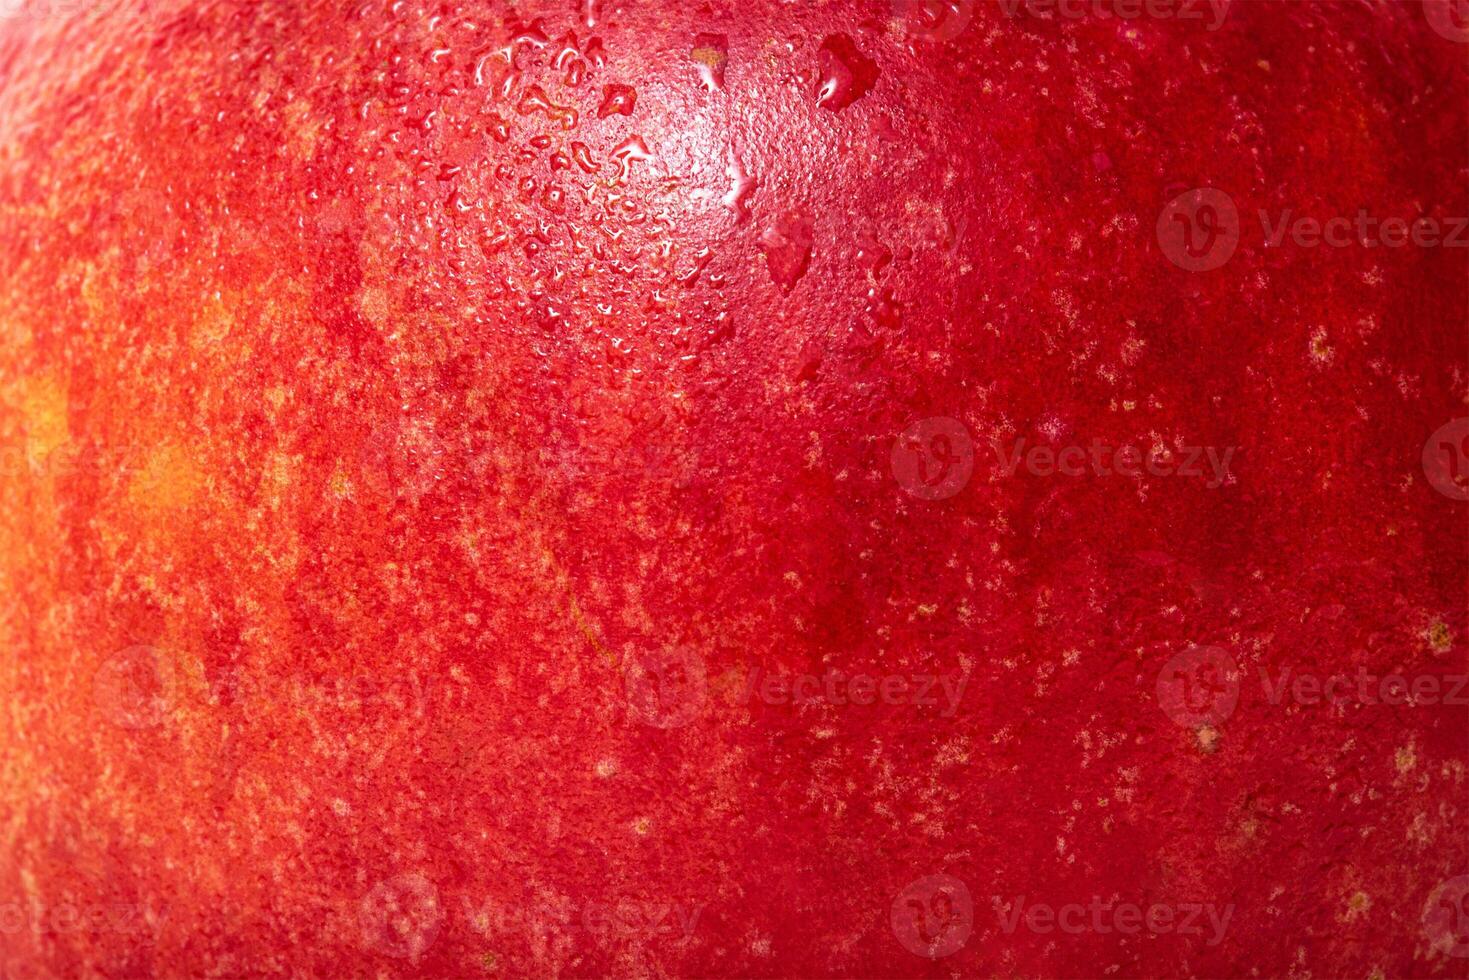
353,345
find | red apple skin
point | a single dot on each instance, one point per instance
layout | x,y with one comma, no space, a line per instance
321,366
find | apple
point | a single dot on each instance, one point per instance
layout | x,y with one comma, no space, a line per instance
883,488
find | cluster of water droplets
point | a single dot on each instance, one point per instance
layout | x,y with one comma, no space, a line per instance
575,188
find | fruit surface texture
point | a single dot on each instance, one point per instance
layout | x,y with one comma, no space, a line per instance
758,489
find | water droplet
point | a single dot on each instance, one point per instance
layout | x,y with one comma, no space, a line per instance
534,99
872,254
787,248
591,13
596,53
741,186
583,158
846,73
617,99
721,330
710,54
569,51
533,35
629,151
701,262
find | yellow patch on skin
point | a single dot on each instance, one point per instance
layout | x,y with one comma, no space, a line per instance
1357,906
1321,351
373,304
303,128
212,323
1439,637
44,401
1405,760
93,285
712,57
1208,737
339,485
281,472
169,480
